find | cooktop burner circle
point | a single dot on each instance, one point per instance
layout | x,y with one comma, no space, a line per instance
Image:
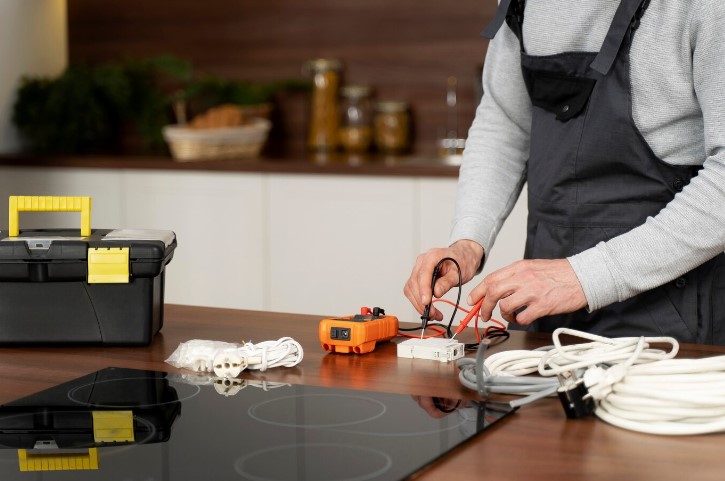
331,462
78,393
323,410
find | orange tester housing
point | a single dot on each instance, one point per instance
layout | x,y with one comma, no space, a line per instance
358,333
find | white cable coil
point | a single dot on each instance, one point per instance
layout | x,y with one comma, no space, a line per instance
635,386
284,352
229,359
675,397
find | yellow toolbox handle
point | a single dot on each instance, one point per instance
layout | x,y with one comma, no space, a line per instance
37,203
52,461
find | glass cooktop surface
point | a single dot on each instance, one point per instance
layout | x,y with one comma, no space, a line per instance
132,425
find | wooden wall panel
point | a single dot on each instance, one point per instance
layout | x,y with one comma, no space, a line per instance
404,48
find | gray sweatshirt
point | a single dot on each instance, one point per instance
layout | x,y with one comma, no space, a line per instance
678,96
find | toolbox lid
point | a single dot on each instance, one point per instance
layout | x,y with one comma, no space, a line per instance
61,255
166,236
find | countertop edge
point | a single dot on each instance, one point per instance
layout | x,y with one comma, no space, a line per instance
403,166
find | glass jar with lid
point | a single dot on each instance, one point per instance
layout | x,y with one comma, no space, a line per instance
392,126
323,117
356,131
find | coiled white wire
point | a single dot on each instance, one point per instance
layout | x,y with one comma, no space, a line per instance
198,355
675,397
635,386
284,352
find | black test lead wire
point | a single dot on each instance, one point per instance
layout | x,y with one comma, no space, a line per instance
425,317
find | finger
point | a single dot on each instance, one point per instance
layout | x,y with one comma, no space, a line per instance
513,305
494,294
535,309
413,297
435,314
476,294
447,275
444,283
527,315
417,290
496,286
423,280
412,291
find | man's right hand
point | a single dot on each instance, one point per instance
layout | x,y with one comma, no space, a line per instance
467,253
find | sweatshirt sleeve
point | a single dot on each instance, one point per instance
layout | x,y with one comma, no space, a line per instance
690,230
493,170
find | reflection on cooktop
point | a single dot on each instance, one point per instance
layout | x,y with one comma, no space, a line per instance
128,425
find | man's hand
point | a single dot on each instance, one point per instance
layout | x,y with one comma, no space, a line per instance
438,408
530,289
467,253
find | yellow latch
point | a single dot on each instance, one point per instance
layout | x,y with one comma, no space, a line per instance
57,461
108,265
113,426
32,203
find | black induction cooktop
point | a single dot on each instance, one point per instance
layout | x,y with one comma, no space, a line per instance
131,425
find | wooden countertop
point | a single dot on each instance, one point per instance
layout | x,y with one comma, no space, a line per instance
537,442
338,164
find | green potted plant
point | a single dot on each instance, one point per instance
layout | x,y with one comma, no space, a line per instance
122,107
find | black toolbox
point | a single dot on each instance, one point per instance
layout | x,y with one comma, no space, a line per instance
99,287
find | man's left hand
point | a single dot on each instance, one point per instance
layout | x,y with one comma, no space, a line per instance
529,289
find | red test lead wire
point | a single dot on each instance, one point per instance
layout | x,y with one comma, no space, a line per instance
473,313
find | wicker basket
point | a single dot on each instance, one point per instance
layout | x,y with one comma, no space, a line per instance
242,142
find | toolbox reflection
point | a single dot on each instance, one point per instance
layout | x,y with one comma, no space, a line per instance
62,428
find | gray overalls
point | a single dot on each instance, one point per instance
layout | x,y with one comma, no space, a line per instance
591,176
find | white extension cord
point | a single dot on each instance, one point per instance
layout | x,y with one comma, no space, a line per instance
631,384
227,360
284,352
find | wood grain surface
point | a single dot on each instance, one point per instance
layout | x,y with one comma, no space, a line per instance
537,442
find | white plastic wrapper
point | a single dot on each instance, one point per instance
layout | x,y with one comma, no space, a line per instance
198,355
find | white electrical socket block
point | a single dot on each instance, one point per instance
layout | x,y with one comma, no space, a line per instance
435,348
229,363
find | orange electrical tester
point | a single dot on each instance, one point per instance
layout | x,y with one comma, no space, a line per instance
358,333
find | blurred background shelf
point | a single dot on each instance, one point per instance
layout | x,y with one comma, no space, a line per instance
404,49
338,163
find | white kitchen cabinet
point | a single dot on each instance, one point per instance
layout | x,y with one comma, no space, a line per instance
219,220
340,242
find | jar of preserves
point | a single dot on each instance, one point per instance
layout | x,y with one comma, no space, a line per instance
324,116
356,131
391,126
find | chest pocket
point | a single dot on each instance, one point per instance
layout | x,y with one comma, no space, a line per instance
563,95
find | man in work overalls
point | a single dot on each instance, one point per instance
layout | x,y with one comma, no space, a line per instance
612,112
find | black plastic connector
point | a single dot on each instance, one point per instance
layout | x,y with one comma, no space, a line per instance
575,399
340,333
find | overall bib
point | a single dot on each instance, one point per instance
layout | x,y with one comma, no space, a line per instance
591,176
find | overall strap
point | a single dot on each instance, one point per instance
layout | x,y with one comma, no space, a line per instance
625,20
511,11
492,28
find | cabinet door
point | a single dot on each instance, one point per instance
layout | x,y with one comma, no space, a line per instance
219,222
340,242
